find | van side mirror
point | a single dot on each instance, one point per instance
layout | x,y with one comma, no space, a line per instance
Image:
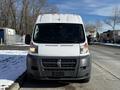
27,39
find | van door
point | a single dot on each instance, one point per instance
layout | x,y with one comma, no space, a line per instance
1,35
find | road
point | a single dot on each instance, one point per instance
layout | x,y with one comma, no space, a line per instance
105,73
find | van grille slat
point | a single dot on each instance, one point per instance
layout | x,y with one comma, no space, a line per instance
59,63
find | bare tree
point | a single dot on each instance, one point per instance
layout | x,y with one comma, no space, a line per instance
90,27
12,12
113,20
8,13
35,10
3,13
30,9
98,25
22,14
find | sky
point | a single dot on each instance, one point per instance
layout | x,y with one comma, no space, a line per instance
90,10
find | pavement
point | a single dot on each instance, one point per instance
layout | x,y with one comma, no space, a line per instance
105,69
105,73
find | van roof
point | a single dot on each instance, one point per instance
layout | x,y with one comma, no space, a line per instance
59,18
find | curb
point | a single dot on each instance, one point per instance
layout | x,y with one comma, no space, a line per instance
14,86
10,47
115,46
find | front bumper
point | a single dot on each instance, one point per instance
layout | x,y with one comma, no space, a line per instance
58,68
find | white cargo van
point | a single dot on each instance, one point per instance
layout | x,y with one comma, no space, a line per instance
59,49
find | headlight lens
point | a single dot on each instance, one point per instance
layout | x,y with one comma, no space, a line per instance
84,49
33,48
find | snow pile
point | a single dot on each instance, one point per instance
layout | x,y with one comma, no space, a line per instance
110,44
12,52
5,84
12,65
20,44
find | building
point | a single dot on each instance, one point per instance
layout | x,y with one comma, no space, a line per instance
110,36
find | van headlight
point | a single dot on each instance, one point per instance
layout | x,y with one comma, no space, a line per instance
84,49
33,48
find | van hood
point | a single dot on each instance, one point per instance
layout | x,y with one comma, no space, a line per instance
59,50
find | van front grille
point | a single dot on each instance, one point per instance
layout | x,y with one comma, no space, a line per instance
59,63
68,62
49,62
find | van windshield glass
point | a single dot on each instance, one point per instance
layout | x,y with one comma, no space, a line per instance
58,33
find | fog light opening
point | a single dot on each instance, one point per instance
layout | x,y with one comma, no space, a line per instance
34,68
83,67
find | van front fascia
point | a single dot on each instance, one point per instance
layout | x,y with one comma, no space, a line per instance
63,52
71,68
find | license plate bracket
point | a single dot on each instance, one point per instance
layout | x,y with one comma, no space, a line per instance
58,74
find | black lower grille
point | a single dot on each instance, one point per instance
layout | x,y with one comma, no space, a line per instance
59,63
68,62
49,62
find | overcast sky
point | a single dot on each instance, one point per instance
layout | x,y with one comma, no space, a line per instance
90,10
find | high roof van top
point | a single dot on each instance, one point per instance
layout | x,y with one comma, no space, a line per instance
59,18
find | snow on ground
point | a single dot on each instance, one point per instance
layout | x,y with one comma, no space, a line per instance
20,44
13,52
12,65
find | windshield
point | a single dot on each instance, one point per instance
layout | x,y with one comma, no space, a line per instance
58,33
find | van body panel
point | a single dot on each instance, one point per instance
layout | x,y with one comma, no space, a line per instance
58,50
